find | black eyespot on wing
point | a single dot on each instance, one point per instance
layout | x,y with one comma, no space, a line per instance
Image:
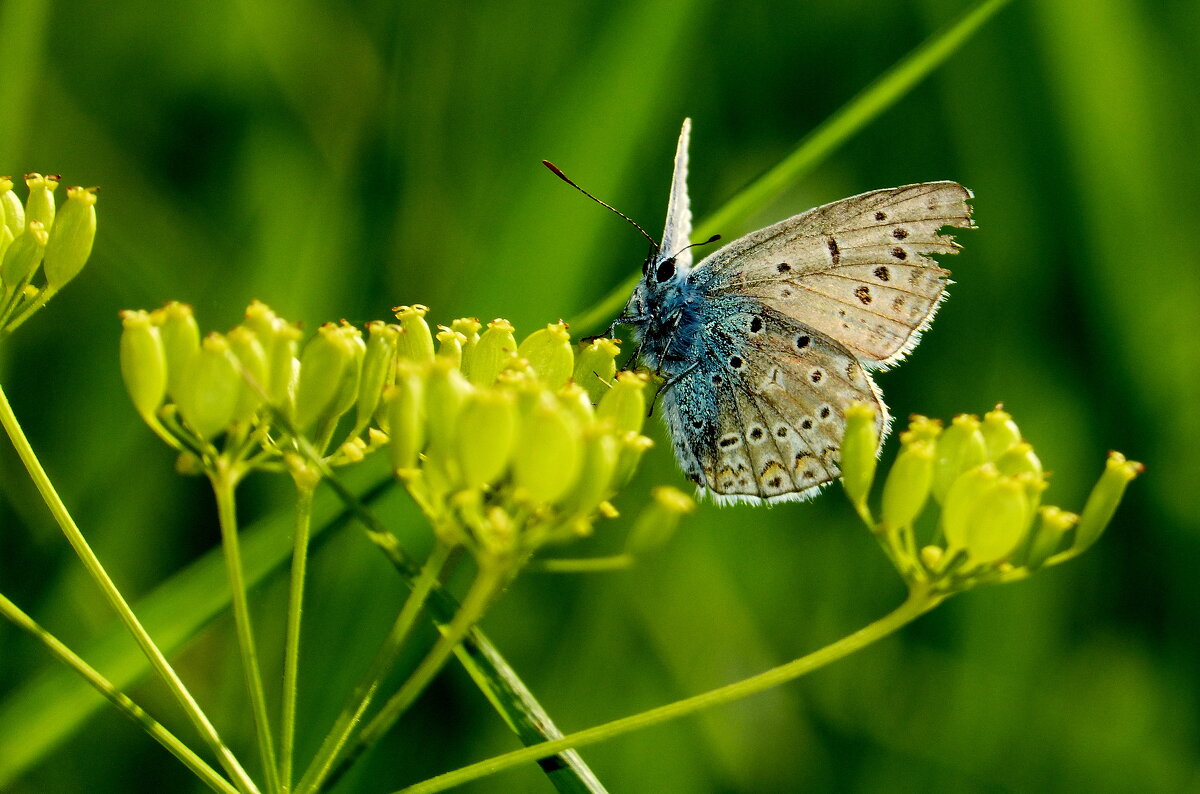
665,270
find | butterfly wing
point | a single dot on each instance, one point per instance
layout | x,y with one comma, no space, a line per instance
856,270
760,416
678,231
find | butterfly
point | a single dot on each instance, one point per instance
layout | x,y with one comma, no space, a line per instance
764,343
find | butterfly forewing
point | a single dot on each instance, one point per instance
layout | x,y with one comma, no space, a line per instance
679,211
855,270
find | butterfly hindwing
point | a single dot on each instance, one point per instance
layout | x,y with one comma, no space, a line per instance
761,415
856,270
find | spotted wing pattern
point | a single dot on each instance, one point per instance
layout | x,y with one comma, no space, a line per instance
856,270
764,420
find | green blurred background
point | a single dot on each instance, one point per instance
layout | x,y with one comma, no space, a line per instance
336,159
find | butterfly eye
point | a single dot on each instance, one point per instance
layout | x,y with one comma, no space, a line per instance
666,269
646,263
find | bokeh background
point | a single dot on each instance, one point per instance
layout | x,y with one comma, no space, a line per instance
336,159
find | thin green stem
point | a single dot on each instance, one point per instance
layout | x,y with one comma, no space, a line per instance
95,569
615,562
291,651
483,589
918,603
496,679
381,665
861,110
123,703
224,483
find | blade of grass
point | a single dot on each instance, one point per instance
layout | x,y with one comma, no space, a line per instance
864,108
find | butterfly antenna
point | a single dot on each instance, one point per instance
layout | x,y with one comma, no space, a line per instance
628,219
712,239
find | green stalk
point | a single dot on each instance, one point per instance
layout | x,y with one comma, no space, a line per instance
291,651
861,110
118,698
499,683
95,569
487,583
918,603
381,665
224,483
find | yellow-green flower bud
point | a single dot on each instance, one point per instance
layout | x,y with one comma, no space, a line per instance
632,447
921,427
494,351
1019,458
415,342
450,346
6,239
596,366
283,367
446,390
484,435
469,328
323,366
143,363
625,403
14,211
22,258
347,394
986,514
406,418
252,359
549,449
1048,537
931,557
860,444
39,205
549,352
263,321
1020,461
906,489
960,501
1000,432
1001,521
1102,502
181,340
601,452
575,400
210,389
960,447
71,237
378,365
659,519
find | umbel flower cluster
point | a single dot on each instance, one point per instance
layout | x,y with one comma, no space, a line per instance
987,481
42,246
504,446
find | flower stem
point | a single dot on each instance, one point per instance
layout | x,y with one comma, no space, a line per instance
918,603
118,698
384,659
484,588
291,652
224,483
95,569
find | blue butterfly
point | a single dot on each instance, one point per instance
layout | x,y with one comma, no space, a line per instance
765,342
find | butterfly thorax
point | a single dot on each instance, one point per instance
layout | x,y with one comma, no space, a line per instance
668,321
